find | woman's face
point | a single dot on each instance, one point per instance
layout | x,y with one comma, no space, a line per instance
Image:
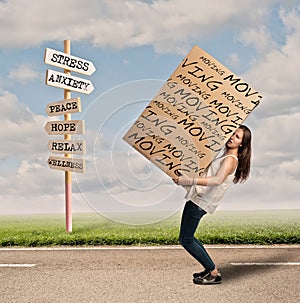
236,139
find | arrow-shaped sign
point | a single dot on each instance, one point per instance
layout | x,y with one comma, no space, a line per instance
71,127
67,106
67,146
70,82
72,63
67,164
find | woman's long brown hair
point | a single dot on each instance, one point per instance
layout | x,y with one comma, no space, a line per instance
244,156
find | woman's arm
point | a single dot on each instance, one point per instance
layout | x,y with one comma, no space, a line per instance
228,167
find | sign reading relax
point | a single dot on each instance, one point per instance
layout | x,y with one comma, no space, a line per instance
191,118
67,146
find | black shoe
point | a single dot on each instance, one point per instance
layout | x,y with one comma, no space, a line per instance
209,279
201,274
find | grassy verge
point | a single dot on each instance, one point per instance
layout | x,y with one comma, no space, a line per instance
234,227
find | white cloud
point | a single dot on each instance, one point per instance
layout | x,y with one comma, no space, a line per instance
275,123
21,130
277,138
170,26
233,61
23,74
264,192
274,72
258,37
24,143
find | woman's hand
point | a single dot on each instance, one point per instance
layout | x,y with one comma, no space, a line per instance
184,180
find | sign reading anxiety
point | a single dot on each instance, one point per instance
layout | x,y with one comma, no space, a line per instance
193,115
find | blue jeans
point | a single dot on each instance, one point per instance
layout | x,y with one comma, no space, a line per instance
191,217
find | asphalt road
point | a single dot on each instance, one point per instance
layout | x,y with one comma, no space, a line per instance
148,275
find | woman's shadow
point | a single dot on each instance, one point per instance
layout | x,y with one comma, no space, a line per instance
240,270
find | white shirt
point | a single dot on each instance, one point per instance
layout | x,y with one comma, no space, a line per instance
208,197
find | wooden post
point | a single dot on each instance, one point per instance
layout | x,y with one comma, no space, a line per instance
68,174
66,107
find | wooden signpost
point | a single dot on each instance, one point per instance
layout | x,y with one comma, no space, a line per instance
191,118
66,107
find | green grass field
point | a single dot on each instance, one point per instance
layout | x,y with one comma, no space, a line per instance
225,227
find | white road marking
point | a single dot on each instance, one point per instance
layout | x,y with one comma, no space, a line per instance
17,265
268,264
167,247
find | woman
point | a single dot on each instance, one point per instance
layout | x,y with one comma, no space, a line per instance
204,194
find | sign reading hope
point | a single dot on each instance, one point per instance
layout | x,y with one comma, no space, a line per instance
191,118
72,127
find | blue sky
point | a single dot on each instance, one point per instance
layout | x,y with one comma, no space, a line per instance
135,46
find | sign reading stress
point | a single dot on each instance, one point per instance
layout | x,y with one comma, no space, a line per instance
193,115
